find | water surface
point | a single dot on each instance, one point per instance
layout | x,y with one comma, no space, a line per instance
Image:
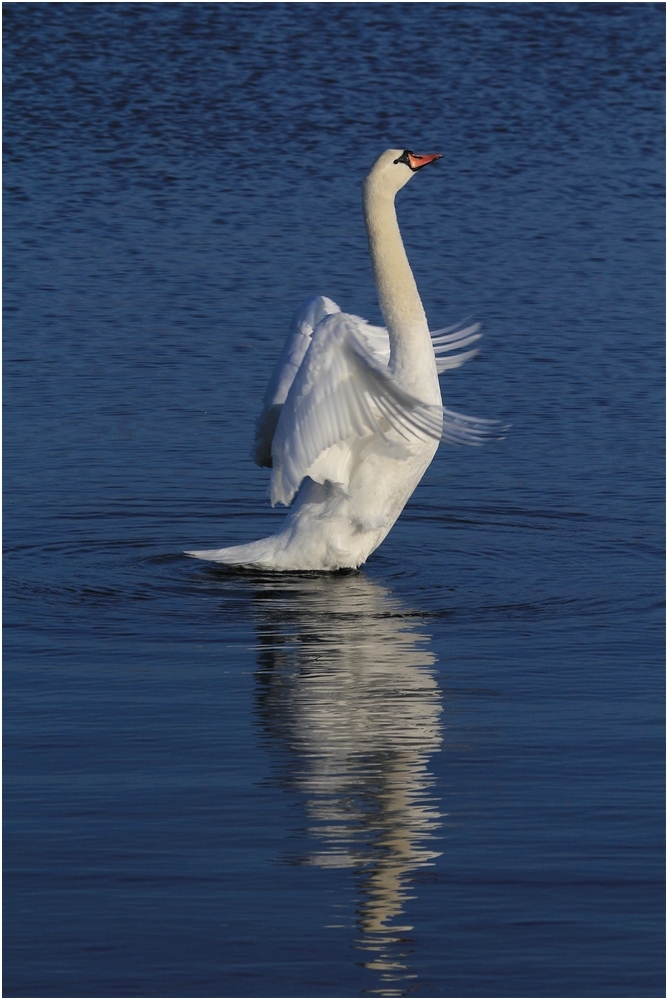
443,775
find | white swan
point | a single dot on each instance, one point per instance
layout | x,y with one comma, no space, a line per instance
353,415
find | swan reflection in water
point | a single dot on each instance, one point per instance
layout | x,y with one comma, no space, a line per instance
344,683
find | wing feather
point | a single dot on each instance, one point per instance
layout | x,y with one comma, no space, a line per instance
454,338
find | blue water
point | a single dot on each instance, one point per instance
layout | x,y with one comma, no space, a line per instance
442,775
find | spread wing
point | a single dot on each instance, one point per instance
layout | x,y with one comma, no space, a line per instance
343,392
304,322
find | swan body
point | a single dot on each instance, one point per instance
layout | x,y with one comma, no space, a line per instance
353,414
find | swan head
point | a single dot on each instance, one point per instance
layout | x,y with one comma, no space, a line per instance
395,167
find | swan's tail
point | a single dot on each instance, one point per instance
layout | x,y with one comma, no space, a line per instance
253,555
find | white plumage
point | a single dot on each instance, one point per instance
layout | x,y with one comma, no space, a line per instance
353,415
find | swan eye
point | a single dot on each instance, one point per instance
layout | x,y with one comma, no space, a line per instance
404,158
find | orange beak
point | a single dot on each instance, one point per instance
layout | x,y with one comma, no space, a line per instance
421,161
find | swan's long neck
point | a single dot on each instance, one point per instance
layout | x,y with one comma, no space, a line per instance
411,353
